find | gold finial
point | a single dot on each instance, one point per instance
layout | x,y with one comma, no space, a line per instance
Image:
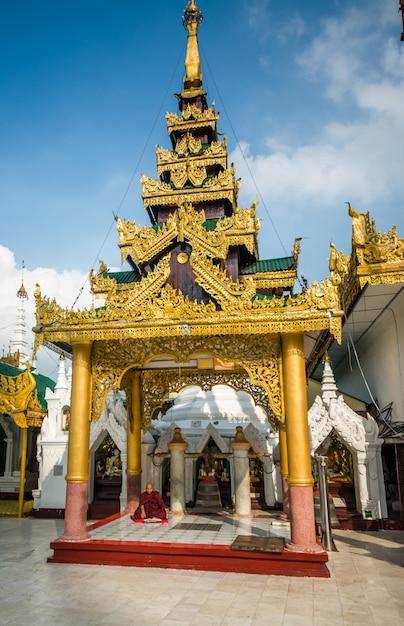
22,293
192,19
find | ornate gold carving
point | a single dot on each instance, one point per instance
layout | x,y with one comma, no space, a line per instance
143,243
192,118
188,145
338,265
377,258
15,392
182,258
160,314
215,154
271,280
217,149
126,301
260,359
380,252
158,384
34,413
153,186
219,285
242,221
196,196
187,170
11,358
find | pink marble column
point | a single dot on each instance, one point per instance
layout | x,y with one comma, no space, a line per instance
79,441
134,489
302,527
300,479
76,513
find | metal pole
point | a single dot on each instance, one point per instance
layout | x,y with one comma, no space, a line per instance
398,480
324,505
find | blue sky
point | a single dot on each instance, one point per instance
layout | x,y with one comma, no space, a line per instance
311,101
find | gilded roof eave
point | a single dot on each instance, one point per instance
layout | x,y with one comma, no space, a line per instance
376,258
270,280
224,185
170,313
216,324
177,197
214,153
187,224
192,119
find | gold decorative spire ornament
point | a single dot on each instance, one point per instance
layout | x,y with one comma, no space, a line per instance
192,19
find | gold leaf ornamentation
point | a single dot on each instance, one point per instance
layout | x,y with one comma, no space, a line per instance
158,384
260,359
15,392
215,281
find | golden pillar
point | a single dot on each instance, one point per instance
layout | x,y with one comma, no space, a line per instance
79,442
134,446
22,471
283,453
300,479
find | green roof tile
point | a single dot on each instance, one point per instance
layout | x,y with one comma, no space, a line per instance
269,265
42,384
123,278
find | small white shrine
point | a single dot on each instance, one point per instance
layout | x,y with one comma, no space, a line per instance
330,414
208,422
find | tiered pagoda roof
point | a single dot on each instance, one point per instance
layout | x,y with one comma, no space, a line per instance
197,229
195,283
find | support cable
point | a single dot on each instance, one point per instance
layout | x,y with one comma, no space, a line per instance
146,144
244,158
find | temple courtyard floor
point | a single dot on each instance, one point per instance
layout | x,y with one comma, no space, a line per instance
365,583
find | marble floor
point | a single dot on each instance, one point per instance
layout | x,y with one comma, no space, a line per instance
366,584
201,529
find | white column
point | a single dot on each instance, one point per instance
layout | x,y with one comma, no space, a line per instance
377,491
9,455
240,447
123,496
177,448
269,480
156,473
147,465
365,503
189,479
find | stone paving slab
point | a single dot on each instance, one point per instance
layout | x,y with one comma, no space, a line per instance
366,587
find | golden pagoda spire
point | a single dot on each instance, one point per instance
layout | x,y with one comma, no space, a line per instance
192,19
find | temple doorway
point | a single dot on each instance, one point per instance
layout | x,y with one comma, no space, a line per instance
212,478
340,474
107,480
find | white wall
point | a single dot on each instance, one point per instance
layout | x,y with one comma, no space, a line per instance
381,356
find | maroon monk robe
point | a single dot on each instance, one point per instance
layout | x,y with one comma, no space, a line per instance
153,506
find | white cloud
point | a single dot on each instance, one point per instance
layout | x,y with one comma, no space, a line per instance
64,287
359,159
354,155
341,52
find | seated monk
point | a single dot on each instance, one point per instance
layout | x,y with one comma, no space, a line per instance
151,506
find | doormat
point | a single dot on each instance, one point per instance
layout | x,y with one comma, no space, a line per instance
196,526
258,544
